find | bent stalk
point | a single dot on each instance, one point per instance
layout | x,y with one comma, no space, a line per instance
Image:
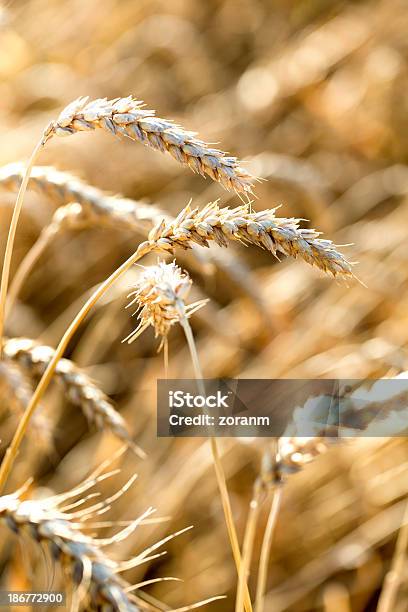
5,276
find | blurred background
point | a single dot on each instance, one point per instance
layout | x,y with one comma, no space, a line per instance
312,95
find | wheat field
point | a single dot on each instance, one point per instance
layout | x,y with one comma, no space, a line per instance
200,190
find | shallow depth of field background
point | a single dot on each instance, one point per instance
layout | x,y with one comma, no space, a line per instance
313,95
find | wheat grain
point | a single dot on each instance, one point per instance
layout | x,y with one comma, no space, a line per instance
79,389
127,117
160,296
262,229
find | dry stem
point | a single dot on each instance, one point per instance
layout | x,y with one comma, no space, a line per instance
248,544
219,471
11,237
26,266
266,549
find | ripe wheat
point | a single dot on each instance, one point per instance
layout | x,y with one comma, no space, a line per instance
262,229
64,188
48,522
160,296
127,117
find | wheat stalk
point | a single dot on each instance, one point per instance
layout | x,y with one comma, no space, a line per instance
287,455
248,543
395,575
266,549
262,486
70,217
79,388
127,117
262,229
220,474
290,455
5,273
43,384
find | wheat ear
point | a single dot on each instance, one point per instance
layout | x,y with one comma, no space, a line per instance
80,205
79,388
127,117
262,229
50,523
64,188
160,297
